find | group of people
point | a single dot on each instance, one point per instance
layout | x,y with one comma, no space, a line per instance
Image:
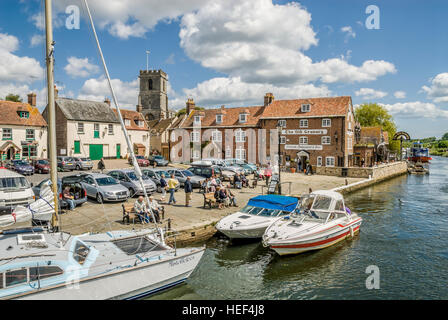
144,210
211,184
224,196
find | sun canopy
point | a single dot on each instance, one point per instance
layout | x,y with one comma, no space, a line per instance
274,202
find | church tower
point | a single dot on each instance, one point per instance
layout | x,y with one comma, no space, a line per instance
153,97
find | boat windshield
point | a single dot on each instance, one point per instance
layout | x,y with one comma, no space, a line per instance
256,211
322,203
313,208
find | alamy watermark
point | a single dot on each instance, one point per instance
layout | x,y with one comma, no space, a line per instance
373,280
373,20
73,20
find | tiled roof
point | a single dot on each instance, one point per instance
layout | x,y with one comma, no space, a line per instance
160,125
132,116
371,135
334,106
9,115
230,117
83,110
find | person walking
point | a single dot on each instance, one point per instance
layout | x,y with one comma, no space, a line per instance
172,184
188,188
268,174
163,186
101,165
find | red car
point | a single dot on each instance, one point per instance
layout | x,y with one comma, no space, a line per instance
141,161
41,166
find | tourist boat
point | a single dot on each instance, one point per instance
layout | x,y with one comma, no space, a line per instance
51,264
418,153
251,221
321,220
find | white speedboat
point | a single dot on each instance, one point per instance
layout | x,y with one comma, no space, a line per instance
260,212
321,221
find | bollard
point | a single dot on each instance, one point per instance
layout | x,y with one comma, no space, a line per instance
169,224
346,182
163,213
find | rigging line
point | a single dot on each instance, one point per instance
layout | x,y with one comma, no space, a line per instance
134,160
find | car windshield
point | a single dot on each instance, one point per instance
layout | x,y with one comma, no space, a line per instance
106,181
85,159
13,183
133,176
159,174
188,173
20,163
42,162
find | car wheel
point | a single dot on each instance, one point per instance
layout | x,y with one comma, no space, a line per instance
78,167
131,193
99,198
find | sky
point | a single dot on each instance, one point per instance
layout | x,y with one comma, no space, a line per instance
232,52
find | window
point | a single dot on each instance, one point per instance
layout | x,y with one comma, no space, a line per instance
282,123
216,136
29,151
110,129
350,143
127,122
303,140
81,252
240,153
228,152
16,277
326,140
80,127
29,134
195,136
240,136
150,84
195,154
7,134
23,114
133,246
326,122
197,119
219,118
329,161
319,161
40,273
243,117
282,140
96,130
306,108
141,123
303,123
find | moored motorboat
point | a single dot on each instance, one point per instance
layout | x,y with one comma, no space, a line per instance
321,220
251,221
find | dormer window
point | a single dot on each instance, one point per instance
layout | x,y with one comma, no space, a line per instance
219,118
243,117
23,114
127,122
306,108
197,119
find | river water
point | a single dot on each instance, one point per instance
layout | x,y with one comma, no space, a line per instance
404,233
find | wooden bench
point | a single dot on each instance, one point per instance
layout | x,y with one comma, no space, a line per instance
129,213
209,199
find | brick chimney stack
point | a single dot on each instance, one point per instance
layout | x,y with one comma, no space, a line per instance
32,99
107,101
139,108
190,105
268,98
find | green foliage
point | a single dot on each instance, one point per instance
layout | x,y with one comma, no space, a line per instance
13,98
184,111
445,136
442,144
373,115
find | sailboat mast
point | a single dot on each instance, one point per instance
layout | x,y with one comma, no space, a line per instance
51,110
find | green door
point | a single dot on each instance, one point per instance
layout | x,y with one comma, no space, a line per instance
118,151
77,147
96,151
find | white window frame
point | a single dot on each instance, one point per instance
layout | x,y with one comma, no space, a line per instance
282,140
326,140
195,154
282,123
127,122
327,164
194,137
217,136
243,117
240,136
30,134
303,140
80,128
228,152
197,119
219,118
326,123
319,161
240,153
306,107
302,123
110,129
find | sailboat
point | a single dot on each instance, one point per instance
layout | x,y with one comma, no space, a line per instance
52,264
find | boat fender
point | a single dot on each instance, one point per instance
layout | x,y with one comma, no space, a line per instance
352,234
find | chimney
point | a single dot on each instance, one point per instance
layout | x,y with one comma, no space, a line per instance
190,105
32,99
139,108
107,101
268,98
56,92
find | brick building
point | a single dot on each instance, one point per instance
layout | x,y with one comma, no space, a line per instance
371,147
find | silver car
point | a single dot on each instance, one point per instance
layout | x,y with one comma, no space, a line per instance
128,178
181,176
104,188
83,163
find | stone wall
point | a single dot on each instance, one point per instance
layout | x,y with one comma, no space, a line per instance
386,170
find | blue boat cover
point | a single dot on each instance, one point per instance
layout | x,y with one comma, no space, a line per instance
272,201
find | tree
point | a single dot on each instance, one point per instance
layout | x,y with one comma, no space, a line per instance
13,98
443,144
184,111
445,136
374,115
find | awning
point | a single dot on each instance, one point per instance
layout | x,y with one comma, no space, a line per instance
9,144
275,202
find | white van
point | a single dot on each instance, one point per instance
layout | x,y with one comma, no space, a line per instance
14,190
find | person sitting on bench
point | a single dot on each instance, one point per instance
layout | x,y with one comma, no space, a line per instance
141,210
155,207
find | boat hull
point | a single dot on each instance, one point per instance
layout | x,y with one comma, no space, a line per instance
249,233
131,283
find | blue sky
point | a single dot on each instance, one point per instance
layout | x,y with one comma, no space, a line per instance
232,52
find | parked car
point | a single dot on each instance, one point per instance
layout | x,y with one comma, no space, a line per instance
206,171
181,176
221,163
14,190
246,168
20,166
66,163
141,161
41,166
83,163
128,178
76,189
159,160
155,175
104,188
232,161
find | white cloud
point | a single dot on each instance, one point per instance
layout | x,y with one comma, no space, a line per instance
17,69
170,59
416,109
349,32
368,93
37,40
233,91
264,43
400,94
438,91
23,90
98,89
80,67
